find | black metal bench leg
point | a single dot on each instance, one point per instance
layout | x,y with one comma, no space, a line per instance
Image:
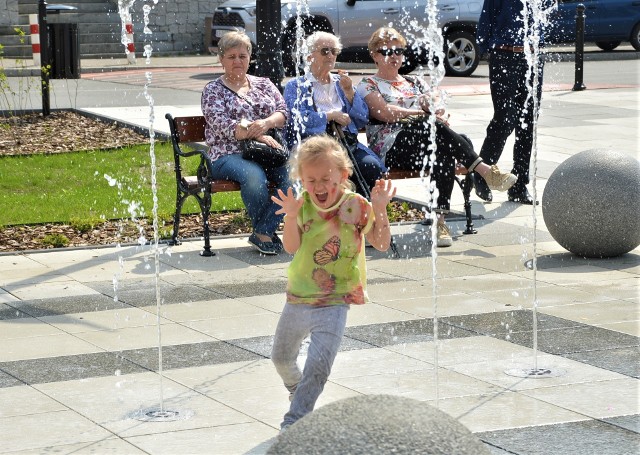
176,220
206,207
467,186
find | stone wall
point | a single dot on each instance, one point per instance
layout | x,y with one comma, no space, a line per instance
175,25
10,12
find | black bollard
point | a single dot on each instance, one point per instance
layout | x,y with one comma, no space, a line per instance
45,68
580,18
268,37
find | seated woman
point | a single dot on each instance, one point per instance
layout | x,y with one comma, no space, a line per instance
394,134
239,106
320,97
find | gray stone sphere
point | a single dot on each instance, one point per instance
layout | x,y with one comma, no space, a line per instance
377,425
591,203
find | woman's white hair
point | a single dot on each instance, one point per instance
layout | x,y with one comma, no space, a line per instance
318,36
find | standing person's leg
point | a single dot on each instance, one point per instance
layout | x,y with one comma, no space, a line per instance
504,82
524,137
327,328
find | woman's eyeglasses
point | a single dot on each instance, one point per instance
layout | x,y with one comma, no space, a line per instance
326,50
389,52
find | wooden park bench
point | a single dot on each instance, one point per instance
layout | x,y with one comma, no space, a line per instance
190,130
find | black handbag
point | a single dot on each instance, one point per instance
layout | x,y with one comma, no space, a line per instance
266,156
259,152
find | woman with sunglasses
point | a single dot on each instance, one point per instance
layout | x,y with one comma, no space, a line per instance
399,131
321,97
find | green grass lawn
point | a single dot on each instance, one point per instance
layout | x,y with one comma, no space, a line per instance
109,184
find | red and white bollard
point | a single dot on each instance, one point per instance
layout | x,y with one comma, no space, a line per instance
34,30
130,48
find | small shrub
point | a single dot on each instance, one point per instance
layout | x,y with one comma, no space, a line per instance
240,218
86,224
165,233
164,217
55,240
391,213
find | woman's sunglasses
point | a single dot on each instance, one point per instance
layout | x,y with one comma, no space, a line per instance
326,50
389,52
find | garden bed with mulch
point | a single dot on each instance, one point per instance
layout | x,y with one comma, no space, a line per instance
63,132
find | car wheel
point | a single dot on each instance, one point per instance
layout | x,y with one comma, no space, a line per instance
607,45
635,37
461,54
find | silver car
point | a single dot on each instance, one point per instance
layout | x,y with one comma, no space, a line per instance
355,20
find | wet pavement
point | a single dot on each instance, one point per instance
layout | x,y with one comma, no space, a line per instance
79,367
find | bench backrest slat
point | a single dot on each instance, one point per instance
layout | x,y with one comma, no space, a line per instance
190,129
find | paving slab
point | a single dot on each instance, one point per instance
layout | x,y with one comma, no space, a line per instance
574,438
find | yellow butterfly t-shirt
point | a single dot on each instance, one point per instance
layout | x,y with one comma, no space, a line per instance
329,267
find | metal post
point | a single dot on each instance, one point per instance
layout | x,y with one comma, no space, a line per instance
44,56
580,18
268,37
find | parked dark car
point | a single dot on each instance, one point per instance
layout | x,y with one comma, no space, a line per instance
607,23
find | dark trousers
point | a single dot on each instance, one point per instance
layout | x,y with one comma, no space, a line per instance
512,109
410,147
369,168
364,163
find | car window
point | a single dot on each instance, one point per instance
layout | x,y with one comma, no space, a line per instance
356,23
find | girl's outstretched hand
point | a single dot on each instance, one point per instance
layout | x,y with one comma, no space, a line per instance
382,193
290,205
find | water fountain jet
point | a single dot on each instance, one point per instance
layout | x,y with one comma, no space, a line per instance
159,414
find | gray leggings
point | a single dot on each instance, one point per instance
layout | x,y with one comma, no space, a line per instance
326,327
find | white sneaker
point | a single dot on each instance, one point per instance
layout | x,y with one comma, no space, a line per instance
443,236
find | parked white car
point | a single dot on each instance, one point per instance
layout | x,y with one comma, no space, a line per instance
355,20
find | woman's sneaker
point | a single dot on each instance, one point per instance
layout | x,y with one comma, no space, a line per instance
264,247
277,243
498,180
443,236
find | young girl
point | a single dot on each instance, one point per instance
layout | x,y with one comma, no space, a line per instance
325,229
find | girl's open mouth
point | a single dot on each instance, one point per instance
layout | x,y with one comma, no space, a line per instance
322,197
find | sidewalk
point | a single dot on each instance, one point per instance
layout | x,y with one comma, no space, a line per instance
565,53
79,362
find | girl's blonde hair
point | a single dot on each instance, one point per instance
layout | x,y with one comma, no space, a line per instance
317,147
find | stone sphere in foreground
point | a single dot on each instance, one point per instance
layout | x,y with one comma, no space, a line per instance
378,425
591,203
